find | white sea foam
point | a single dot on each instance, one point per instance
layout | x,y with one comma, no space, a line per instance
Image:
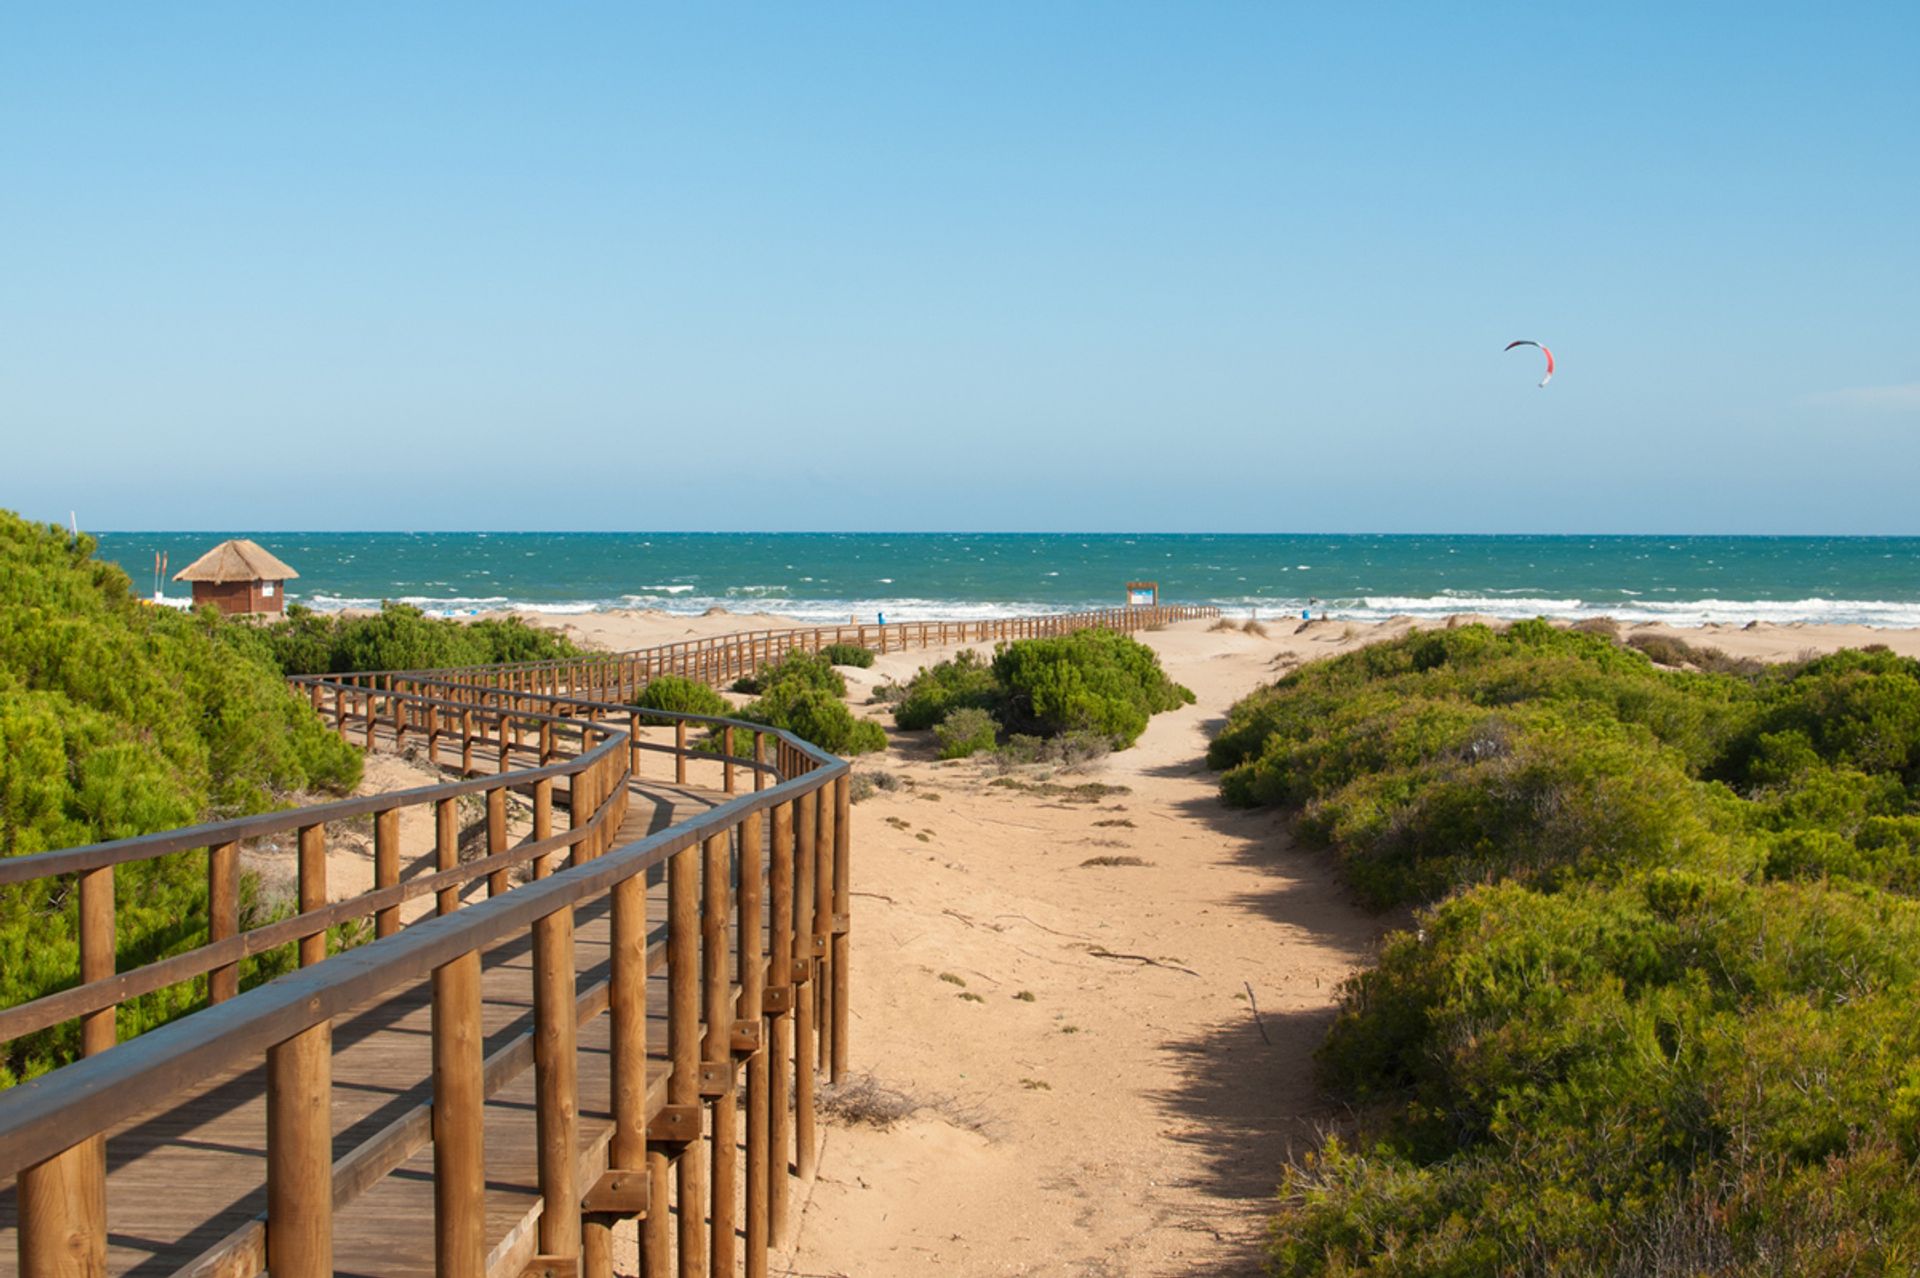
1678,612
1513,606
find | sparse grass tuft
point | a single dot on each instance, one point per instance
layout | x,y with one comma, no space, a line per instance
863,1101
1111,861
1086,792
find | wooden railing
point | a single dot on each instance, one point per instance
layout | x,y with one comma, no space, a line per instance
720,659
769,867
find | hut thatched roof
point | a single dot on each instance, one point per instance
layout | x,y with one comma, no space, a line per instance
236,560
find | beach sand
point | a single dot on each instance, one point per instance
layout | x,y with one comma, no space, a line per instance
1101,1066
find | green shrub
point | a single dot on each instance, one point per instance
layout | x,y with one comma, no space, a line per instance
400,637
1658,1015
681,695
963,681
848,654
119,719
795,666
965,732
1561,1076
1090,681
812,714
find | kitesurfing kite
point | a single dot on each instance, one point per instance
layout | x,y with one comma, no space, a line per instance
1544,351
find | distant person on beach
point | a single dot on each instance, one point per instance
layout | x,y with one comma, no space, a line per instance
883,618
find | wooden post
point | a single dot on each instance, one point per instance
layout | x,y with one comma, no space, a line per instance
628,1040
726,744
446,852
386,868
753,978
223,915
823,982
759,761
62,1206
633,746
543,825
556,1078
98,1030
313,889
366,702
806,830
300,1155
842,918
683,1045
580,806
459,1155
497,880
680,751
62,1202
780,1027
466,742
717,1050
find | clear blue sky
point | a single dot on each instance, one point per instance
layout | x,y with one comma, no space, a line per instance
1240,267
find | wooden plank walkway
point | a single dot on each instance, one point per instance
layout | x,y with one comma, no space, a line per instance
184,1178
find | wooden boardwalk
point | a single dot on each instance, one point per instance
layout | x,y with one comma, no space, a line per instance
181,1180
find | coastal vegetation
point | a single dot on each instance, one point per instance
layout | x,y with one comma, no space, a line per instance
119,719
1658,1008
681,695
802,694
398,637
848,654
1093,681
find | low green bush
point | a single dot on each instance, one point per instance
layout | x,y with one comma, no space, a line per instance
965,732
848,654
963,681
1657,1013
400,637
815,671
801,693
812,714
680,694
1090,681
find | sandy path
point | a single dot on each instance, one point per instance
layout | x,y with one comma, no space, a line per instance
1128,1117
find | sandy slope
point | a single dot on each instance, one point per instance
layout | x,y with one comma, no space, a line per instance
1131,1117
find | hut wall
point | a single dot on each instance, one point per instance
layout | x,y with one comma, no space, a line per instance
240,596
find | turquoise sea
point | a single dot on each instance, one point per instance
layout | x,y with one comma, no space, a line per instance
822,576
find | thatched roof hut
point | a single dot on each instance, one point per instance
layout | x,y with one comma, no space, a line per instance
238,576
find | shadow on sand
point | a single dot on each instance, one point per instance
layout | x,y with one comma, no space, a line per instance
1247,1101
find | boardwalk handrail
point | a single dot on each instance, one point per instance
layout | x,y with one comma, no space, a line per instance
770,868
715,658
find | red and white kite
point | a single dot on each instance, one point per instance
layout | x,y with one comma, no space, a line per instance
1544,351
